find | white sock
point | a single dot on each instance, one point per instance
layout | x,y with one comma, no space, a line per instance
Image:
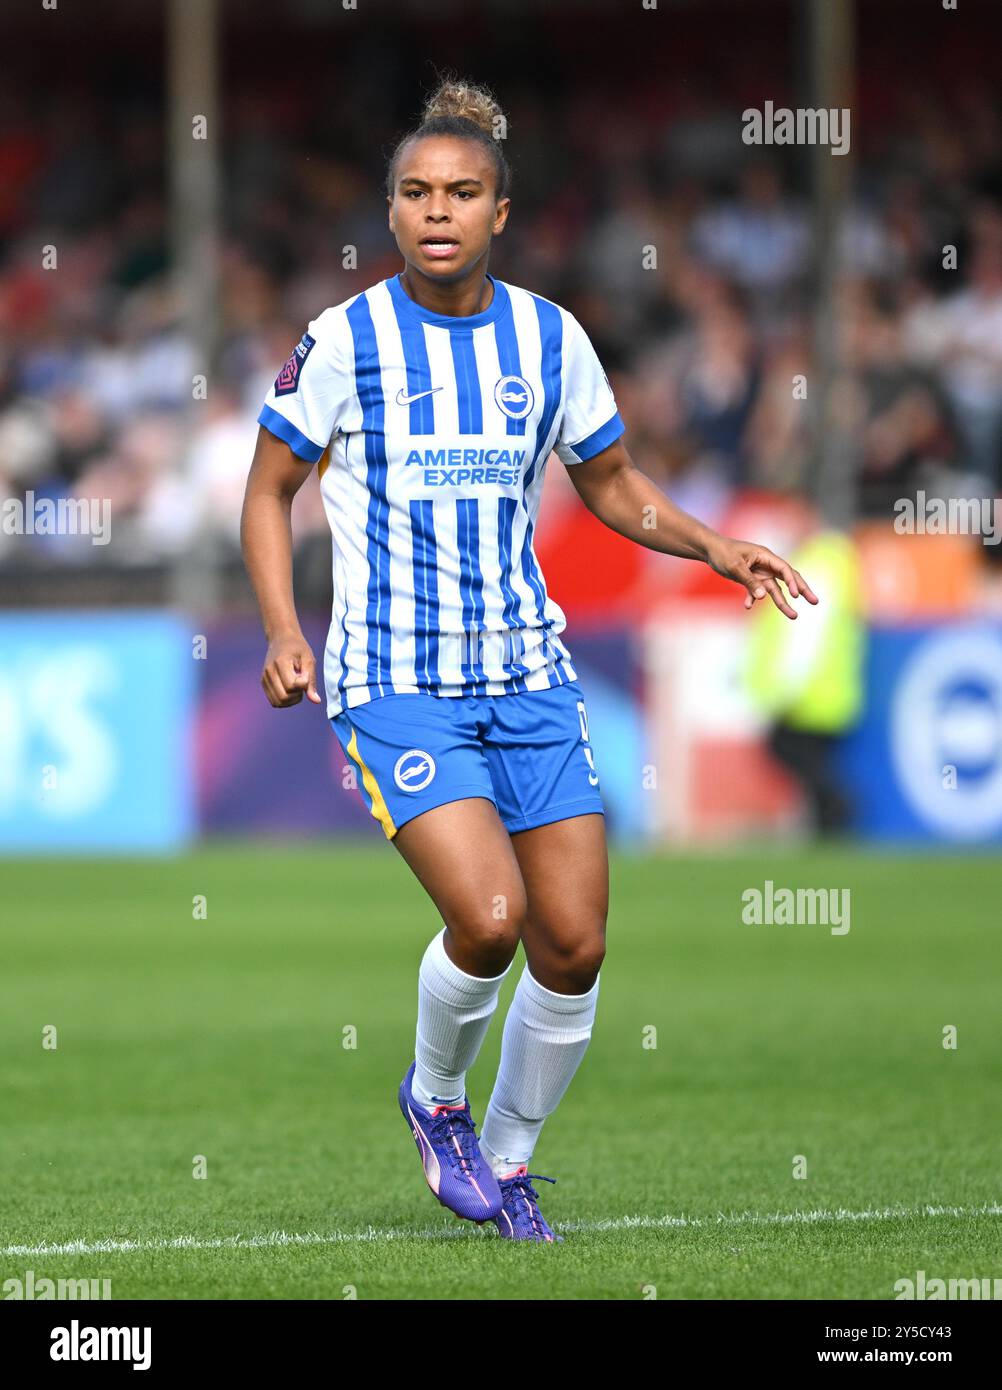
454,1013
545,1037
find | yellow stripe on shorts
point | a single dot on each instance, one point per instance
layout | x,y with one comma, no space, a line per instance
379,808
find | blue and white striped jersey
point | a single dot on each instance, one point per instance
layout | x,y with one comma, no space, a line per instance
432,435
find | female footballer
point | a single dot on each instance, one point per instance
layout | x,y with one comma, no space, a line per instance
431,403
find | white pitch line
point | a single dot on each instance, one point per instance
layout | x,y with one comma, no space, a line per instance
372,1233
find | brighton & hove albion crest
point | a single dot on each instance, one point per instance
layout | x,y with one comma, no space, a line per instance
414,770
514,398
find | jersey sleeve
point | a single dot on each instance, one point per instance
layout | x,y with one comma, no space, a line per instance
591,421
308,399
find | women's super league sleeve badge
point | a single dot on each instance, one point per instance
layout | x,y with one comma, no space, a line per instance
287,380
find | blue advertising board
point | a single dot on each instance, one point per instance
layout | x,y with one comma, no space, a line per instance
96,712
925,764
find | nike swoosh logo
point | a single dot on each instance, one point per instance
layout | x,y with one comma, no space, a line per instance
404,399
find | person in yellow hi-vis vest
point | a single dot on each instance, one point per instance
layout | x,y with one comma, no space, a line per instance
807,677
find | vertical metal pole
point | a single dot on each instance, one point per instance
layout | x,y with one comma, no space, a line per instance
192,80
831,84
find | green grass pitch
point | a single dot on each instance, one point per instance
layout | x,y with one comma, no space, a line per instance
223,1037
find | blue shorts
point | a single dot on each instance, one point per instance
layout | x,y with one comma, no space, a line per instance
528,753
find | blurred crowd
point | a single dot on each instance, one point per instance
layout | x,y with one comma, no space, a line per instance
687,256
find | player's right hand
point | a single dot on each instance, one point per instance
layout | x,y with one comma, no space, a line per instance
289,669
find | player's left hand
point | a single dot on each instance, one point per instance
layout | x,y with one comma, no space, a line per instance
760,571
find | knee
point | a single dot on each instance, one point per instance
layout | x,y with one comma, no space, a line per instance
572,962
584,965
486,935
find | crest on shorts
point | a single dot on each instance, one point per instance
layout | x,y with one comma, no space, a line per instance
287,380
414,770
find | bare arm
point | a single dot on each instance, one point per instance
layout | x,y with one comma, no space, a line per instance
276,475
627,501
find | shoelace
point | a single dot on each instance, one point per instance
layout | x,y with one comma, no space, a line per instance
524,1184
458,1124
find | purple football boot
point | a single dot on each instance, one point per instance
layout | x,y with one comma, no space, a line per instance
520,1217
454,1167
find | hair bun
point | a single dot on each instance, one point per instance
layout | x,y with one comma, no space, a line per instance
454,97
